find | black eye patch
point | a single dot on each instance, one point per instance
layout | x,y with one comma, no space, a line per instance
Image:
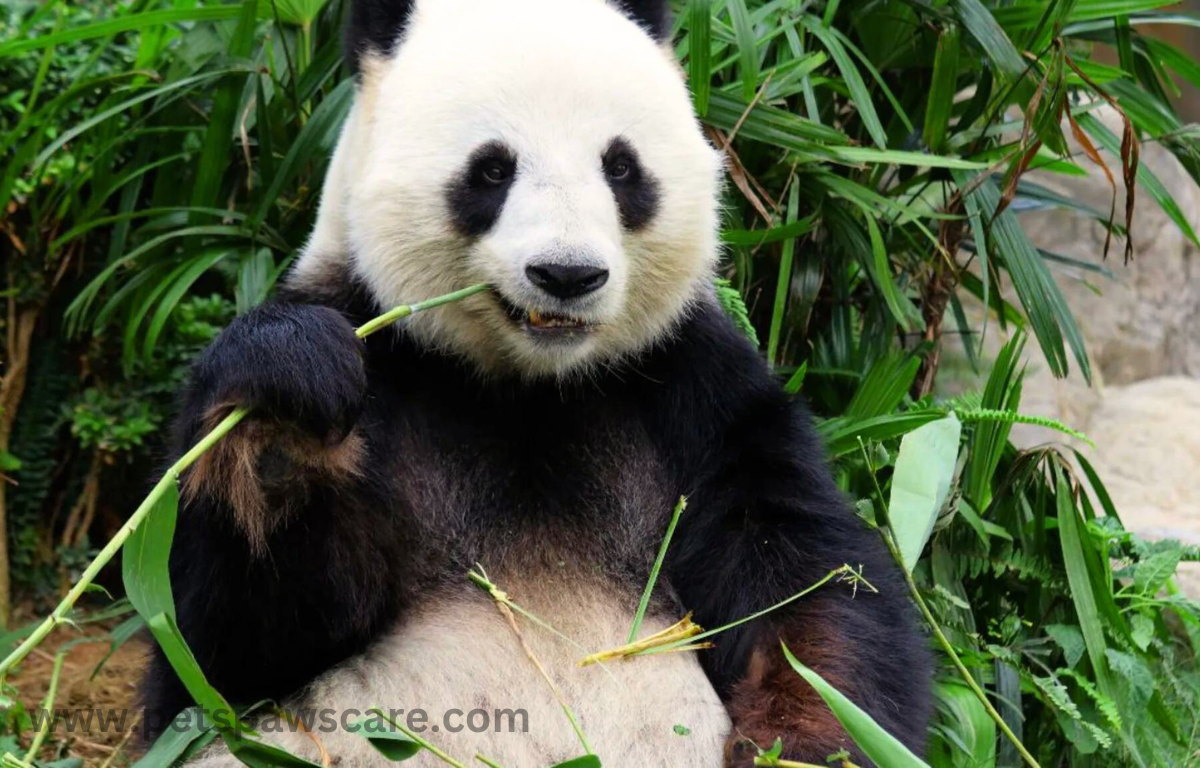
634,189
476,196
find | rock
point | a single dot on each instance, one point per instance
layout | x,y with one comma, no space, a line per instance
1142,330
1147,454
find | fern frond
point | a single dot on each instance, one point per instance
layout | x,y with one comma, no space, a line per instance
1012,417
1107,706
731,301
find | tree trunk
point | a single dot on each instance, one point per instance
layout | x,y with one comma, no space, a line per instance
936,297
21,323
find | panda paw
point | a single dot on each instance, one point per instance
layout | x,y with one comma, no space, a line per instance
298,363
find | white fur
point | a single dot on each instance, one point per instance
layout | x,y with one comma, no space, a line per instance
459,653
556,80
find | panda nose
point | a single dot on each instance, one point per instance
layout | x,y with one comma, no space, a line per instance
566,281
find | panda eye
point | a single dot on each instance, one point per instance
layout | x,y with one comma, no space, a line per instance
496,172
619,170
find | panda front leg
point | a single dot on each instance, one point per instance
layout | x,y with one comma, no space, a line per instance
283,563
766,524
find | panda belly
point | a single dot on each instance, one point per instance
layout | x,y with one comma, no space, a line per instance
458,653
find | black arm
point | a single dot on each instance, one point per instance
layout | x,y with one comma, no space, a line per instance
765,520
281,564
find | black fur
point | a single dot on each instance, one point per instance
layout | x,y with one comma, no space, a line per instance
503,479
476,196
636,190
374,26
377,25
654,16
314,378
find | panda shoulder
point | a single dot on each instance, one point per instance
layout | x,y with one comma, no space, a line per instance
333,284
714,374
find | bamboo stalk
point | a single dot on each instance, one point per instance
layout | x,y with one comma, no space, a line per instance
500,598
47,708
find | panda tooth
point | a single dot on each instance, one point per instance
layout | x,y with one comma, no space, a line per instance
535,317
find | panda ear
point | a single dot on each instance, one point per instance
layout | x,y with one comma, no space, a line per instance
654,16
374,27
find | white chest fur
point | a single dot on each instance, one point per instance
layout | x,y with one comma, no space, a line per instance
458,660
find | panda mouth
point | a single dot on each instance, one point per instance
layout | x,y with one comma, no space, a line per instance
544,324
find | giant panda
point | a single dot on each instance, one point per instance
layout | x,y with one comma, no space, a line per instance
541,431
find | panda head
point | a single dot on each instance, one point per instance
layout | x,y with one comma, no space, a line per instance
547,147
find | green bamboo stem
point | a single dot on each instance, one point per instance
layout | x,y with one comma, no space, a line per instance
47,708
171,477
658,563
500,598
404,310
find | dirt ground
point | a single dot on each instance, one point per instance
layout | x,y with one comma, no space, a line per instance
81,687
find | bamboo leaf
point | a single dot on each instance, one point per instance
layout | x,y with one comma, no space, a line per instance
587,761
317,133
124,106
853,79
1045,306
393,745
1145,177
878,745
1074,559
921,483
747,44
783,282
941,93
144,560
177,740
991,37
